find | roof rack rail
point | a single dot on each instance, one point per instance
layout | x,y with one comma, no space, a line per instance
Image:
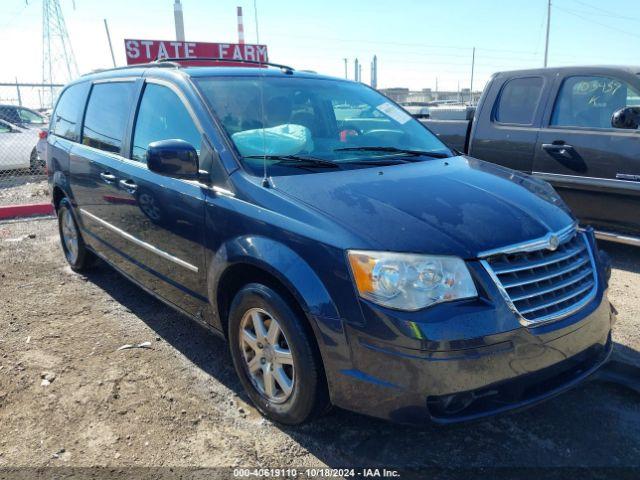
135,65
220,59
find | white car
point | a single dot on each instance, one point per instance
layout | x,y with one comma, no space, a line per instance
18,148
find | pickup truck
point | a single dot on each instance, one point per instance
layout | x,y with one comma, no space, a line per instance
575,127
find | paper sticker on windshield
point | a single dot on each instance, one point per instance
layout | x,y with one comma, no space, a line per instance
394,113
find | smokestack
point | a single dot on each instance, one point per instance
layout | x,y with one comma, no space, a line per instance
374,72
240,27
356,73
179,20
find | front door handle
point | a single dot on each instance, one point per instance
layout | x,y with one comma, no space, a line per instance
559,148
108,177
128,185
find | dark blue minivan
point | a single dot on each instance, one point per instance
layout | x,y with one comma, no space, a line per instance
348,256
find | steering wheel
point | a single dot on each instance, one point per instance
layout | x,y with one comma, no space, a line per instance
383,133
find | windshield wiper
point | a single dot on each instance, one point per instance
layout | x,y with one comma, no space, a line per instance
298,160
415,153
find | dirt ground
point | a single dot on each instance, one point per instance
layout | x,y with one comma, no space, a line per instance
21,188
68,396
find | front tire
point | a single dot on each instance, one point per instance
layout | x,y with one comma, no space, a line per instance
75,251
274,356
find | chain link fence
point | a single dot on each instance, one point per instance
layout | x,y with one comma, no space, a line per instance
25,109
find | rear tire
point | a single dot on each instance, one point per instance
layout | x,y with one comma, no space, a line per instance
36,165
277,364
75,251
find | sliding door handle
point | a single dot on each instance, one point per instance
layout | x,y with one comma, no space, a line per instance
108,177
128,185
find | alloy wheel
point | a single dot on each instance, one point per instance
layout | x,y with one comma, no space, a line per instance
70,236
267,357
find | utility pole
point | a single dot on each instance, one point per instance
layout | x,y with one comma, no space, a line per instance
356,70
546,45
255,16
179,20
18,89
345,68
473,66
106,27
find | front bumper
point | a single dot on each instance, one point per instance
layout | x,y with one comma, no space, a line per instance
476,378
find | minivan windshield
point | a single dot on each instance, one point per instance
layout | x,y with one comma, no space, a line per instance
306,124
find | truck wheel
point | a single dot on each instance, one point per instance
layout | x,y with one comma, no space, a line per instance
274,357
75,250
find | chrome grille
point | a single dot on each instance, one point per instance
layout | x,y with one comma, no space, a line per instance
544,285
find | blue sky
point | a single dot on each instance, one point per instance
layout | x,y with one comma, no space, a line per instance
416,41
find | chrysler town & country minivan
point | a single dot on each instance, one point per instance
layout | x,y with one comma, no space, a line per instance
347,255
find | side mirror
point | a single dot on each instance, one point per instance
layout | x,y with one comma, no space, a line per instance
627,118
173,158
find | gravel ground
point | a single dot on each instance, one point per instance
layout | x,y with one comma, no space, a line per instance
23,189
69,397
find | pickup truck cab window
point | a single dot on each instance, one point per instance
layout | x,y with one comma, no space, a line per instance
162,116
519,100
328,121
107,115
590,101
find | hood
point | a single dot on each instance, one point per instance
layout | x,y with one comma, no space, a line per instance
457,206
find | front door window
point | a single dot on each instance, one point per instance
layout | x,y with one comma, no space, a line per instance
590,101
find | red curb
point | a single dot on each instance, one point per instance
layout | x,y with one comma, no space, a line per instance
15,211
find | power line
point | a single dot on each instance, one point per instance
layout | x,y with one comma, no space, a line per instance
14,16
604,25
607,13
402,44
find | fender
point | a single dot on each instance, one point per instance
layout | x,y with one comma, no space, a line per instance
278,260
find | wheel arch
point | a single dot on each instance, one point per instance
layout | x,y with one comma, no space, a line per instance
259,259
59,189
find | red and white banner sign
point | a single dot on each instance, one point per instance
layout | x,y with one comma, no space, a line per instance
144,51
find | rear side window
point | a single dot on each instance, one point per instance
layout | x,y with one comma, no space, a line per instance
107,115
518,101
64,121
29,116
589,102
162,116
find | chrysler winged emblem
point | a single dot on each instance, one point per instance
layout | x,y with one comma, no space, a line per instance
554,241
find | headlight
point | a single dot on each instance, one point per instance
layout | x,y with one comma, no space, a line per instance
410,282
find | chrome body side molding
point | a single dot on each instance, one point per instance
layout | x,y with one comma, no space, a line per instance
140,243
618,238
625,182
